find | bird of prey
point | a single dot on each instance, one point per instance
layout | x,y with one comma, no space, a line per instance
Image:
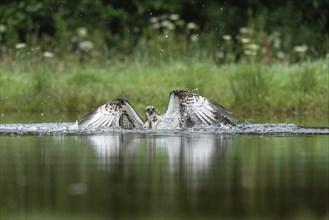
185,109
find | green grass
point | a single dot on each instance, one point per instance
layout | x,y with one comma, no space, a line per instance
58,87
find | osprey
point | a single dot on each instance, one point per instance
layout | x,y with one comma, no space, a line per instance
185,109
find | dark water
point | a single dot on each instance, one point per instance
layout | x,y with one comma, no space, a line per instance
164,176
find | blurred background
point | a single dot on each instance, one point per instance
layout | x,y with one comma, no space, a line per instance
224,31
79,54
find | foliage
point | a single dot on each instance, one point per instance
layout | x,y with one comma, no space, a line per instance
222,31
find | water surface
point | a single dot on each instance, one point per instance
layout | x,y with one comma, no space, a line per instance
315,120
178,175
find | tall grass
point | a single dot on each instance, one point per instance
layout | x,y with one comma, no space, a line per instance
63,87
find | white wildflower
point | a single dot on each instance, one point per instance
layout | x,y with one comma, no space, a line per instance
168,24
191,26
154,19
253,47
86,45
82,31
174,17
227,37
244,30
2,28
48,54
194,37
300,49
20,45
245,40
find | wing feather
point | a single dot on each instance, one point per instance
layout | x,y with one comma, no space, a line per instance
116,114
198,117
194,109
204,118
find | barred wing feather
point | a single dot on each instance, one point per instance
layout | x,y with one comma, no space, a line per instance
116,114
193,109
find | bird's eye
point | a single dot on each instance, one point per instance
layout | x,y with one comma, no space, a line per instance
150,109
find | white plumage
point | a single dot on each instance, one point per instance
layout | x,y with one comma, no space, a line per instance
185,109
116,114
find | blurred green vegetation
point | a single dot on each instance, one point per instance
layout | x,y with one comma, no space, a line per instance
251,56
223,31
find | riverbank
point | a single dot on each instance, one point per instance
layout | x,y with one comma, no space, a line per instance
59,87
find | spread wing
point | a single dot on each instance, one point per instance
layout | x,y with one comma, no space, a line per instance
194,109
116,114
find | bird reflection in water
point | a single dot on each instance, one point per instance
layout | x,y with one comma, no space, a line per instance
186,155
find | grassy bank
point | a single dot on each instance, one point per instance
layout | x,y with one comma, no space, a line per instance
52,86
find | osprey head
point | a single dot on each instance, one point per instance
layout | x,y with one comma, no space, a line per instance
151,118
150,112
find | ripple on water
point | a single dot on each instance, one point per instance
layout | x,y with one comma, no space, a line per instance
73,129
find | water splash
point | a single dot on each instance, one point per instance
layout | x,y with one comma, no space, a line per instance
73,129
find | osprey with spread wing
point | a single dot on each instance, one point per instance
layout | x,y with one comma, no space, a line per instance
186,109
